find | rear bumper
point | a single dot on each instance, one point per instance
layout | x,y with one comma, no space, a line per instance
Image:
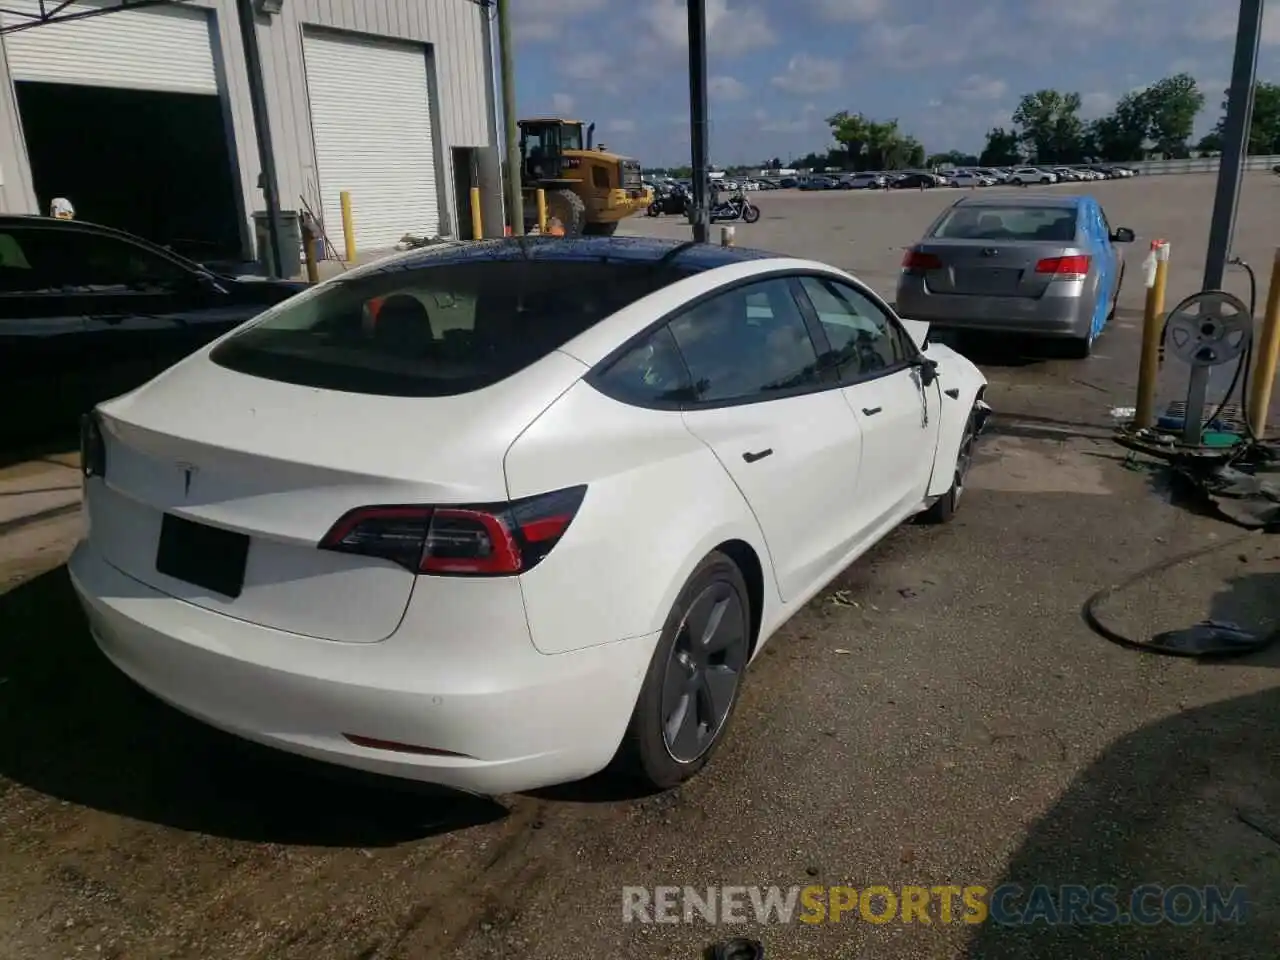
511,718
1050,316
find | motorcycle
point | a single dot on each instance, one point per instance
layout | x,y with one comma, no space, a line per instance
737,207
672,202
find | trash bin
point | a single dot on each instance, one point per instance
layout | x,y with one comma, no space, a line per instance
290,242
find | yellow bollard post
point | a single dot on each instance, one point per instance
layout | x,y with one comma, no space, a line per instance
477,219
542,210
348,226
309,238
1268,352
1157,276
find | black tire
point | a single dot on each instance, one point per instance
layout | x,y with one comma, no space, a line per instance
654,210
600,229
944,508
567,207
1045,180
646,753
1115,301
751,213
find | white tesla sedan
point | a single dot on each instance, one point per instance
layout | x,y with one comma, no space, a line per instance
492,515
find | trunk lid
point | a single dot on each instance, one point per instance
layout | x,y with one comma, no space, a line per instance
280,464
997,268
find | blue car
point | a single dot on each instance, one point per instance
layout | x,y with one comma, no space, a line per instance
1044,265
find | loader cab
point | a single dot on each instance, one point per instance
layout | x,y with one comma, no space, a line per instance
544,143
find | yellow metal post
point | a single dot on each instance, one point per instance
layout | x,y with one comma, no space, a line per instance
309,250
348,226
477,220
542,210
1157,277
1268,352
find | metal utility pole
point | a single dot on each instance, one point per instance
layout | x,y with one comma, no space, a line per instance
267,181
506,57
1235,144
698,127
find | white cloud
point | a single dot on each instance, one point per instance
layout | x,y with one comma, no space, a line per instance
731,30
541,21
726,88
979,87
1097,104
808,120
562,103
850,11
807,74
588,66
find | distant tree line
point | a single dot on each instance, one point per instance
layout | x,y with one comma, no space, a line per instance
1046,127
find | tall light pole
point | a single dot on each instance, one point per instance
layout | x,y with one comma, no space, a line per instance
700,212
1235,143
506,56
267,181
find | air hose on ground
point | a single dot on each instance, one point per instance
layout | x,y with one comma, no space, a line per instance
1208,639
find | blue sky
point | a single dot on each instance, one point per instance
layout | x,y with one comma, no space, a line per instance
948,69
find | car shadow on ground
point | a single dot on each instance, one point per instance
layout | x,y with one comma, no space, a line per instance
73,727
996,350
1191,799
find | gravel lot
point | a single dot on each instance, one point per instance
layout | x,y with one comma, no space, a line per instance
940,716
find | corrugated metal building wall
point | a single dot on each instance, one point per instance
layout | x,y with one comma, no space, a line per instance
455,35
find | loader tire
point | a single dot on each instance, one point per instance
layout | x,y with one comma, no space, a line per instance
567,207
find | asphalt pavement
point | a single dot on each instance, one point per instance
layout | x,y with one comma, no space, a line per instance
940,716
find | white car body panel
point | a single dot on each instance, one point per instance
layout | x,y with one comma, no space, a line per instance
496,683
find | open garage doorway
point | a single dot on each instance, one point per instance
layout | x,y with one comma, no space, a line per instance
155,163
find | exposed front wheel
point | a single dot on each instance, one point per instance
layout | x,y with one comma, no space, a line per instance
751,213
653,210
692,684
945,507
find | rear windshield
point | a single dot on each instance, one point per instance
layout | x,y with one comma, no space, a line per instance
1008,223
434,331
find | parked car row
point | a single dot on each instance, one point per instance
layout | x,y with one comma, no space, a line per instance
965,177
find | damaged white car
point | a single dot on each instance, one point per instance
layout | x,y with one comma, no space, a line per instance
493,515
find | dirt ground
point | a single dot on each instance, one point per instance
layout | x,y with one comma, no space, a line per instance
941,715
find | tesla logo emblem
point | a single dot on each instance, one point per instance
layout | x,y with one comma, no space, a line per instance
188,473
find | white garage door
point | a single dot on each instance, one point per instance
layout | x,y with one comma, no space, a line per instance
161,48
371,119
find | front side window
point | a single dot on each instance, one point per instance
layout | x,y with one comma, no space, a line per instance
864,341
43,261
747,343
434,330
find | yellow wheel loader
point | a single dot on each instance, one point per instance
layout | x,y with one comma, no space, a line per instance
588,189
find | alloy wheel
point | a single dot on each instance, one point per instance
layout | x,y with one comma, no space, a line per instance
704,671
963,460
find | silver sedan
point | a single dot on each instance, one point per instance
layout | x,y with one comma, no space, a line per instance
1043,265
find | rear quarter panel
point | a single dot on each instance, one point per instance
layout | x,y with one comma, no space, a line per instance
657,502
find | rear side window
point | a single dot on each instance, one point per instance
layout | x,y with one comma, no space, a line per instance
435,330
1049,224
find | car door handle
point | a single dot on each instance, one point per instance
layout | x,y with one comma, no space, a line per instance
871,411
760,455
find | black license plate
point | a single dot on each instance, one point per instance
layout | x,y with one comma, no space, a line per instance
203,556
989,280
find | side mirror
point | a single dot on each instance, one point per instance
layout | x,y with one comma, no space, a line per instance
928,371
1123,235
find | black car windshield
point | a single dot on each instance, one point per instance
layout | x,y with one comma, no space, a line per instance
1012,222
435,330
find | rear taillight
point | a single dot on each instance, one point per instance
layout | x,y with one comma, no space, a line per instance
1065,268
93,448
917,261
488,540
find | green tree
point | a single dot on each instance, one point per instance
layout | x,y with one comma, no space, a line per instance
1001,149
1264,131
874,144
1050,126
1170,107
1210,145
952,158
